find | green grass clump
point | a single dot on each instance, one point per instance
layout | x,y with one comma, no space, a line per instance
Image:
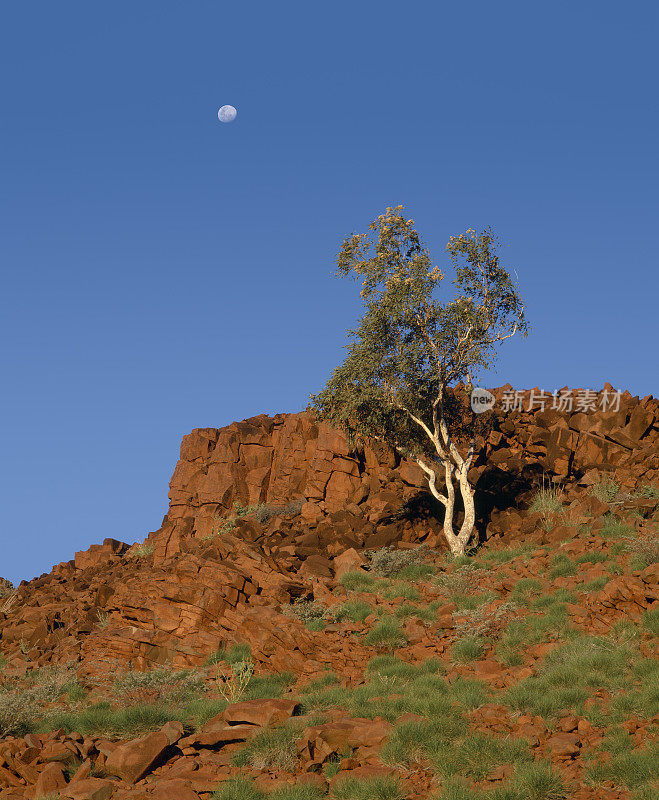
524,589
464,561
595,585
368,789
161,684
261,687
412,742
452,749
547,501
650,621
532,780
236,654
323,693
354,610
570,673
553,603
641,697
101,718
634,769
409,610
506,554
386,633
394,688
391,562
271,748
469,692
238,789
649,491
469,648
393,590
614,528
477,754
535,628
562,567
358,581
606,490
591,558
313,614
537,780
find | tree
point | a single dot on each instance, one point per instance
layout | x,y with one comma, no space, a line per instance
411,347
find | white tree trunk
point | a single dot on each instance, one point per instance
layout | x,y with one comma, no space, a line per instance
457,542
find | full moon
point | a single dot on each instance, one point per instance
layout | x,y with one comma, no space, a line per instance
227,114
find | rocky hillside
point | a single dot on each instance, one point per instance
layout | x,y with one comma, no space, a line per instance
318,569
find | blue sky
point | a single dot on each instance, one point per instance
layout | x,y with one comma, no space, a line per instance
162,271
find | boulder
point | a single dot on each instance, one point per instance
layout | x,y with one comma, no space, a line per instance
260,712
135,759
347,561
50,781
89,789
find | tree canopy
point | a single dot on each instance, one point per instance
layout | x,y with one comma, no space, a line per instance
411,344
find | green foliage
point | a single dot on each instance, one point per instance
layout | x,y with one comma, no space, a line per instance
524,589
238,789
162,684
140,550
477,754
358,581
649,491
532,780
100,718
595,585
309,612
410,346
271,748
354,610
606,490
261,687
452,750
395,687
562,567
537,781
368,789
571,672
20,710
469,692
650,621
408,610
391,562
236,654
386,633
614,528
633,769
591,558
547,501
6,588
391,590
470,648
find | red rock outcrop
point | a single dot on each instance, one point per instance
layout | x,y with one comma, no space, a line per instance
187,591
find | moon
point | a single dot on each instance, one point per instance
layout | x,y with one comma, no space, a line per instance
227,114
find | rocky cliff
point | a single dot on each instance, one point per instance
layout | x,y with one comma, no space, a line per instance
202,579
272,510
